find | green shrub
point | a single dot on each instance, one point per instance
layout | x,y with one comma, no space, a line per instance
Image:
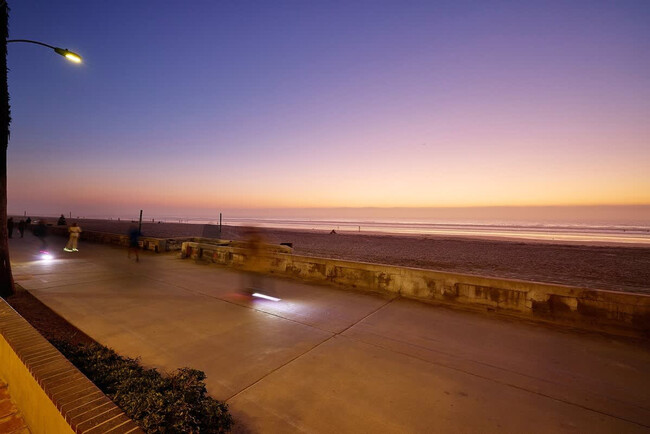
174,403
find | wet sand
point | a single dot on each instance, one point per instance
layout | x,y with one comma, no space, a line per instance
610,267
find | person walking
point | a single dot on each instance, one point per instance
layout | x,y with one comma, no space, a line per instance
21,227
40,232
74,231
254,245
10,226
134,233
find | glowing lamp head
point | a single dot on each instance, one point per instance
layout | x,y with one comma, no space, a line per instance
71,56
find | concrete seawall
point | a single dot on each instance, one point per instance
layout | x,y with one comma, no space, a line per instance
611,311
157,245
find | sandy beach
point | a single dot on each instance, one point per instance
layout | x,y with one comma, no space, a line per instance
618,268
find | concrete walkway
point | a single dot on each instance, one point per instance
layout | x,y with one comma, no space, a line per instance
326,360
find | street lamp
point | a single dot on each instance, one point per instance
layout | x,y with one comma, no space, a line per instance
6,279
71,56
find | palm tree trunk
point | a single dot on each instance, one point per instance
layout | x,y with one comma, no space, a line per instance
6,279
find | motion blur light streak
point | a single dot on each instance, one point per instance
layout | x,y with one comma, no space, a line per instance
46,257
266,297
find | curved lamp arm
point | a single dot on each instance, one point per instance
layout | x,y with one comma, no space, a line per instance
73,57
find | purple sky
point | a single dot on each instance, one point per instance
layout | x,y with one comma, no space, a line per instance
187,108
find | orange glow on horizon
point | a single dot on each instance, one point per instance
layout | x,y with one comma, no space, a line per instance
279,193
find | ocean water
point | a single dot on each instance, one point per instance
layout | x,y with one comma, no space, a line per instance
615,224
575,232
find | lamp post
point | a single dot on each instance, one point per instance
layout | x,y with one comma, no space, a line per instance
71,56
6,279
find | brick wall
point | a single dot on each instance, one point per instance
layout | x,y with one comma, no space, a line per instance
53,395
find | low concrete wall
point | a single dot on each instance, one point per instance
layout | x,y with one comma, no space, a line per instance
53,396
157,245
619,312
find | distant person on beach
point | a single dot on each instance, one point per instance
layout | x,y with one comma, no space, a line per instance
10,226
28,221
74,231
21,227
134,234
40,232
61,221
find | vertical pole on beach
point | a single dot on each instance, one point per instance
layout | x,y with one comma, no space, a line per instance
140,224
219,225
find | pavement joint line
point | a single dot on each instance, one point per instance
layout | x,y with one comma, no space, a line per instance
390,300
75,283
33,275
41,272
432,350
514,386
478,362
334,335
283,418
57,285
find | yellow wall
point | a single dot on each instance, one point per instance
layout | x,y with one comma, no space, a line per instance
37,409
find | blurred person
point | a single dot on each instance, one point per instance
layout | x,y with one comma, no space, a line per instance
21,227
10,226
134,234
40,232
254,279
75,232
61,221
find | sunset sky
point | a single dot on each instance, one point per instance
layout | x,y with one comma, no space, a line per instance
188,108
